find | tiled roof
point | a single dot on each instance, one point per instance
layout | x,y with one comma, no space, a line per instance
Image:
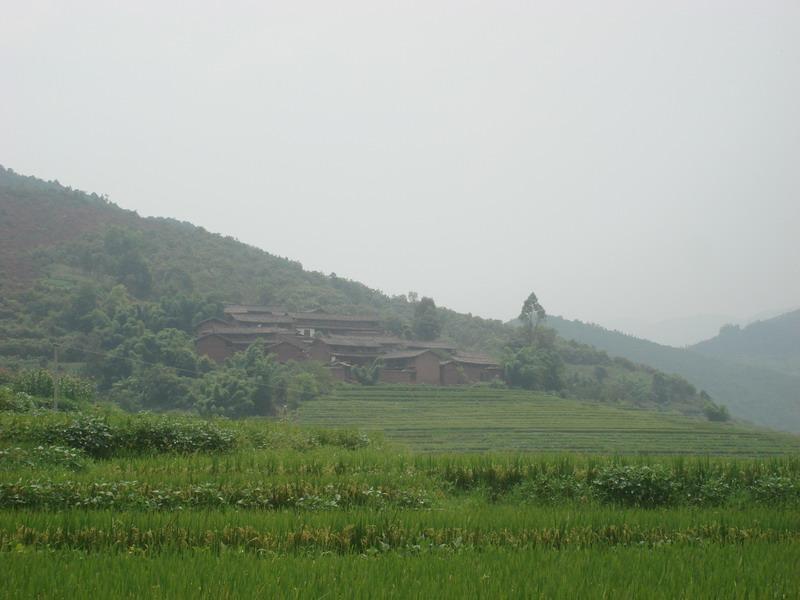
339,355
475,359
261,318
251,331
254,308
279,341
312,316
211,320
433,345
375,341
403,354
297,341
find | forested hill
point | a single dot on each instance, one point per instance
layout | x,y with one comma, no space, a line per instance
759,394
121,294
55,237
772,343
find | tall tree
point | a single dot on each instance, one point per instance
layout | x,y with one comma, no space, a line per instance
531,315
427,325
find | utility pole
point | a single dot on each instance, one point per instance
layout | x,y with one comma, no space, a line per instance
56,379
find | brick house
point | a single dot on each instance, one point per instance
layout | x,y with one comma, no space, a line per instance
420,366
463,369
286,350
339,342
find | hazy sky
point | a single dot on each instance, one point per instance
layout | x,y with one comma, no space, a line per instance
622,159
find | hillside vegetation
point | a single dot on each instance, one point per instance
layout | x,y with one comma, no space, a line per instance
772,343
760,395
121,294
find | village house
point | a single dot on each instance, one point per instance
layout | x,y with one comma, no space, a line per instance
411,366
340,342
469,368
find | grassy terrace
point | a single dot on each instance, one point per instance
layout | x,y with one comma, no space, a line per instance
478,419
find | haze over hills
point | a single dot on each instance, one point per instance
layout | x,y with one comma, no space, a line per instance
773,343
677,332
759,394
681,332
65,251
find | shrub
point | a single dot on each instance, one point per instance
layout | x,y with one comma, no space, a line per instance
775,489
169,435
640,485
716,412
93,435
99,439
11,401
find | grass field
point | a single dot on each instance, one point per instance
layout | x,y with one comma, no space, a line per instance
170,508
479,419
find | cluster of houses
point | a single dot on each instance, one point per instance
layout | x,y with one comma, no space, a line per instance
340,342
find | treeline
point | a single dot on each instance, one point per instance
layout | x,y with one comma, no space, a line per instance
141,354
546,362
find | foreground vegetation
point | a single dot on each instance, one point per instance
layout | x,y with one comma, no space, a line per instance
757,570
186,508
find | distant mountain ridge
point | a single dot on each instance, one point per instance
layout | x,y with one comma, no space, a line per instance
676,332
771,343
762,395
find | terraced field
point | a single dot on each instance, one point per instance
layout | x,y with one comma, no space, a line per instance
480,419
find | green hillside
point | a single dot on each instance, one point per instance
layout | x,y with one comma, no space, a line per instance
758,394
772,343
57,238
121,294
478,420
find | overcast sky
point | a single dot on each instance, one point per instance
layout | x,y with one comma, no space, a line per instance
625,160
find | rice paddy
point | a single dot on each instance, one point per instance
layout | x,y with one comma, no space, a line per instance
280,510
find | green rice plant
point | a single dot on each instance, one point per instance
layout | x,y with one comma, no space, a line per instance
758,570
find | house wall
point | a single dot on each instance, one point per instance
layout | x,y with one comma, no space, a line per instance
354,359
320,351
451,375
454,373
427,368
214,347
339,372
285,351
